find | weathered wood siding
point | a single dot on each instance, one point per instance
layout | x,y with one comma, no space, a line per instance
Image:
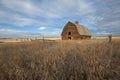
73,30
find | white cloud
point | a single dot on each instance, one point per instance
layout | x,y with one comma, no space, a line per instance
42,28
19,20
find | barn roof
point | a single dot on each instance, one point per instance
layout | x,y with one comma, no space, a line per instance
82,30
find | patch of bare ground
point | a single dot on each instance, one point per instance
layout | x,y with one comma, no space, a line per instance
60,60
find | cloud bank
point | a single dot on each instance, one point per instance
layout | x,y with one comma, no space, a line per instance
101,17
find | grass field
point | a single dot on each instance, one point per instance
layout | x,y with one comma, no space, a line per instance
60,60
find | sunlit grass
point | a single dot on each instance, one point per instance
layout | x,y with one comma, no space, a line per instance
64,60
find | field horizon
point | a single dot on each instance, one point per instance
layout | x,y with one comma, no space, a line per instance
3,40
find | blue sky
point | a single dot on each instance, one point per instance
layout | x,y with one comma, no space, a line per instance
38,18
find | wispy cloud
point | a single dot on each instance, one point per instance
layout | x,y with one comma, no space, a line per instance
10,33
110,17
25,7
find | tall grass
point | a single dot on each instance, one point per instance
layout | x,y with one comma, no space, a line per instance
60,61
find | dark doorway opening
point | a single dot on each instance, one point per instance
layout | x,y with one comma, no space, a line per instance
69,38
69,33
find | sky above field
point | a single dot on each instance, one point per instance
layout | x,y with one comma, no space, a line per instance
38,18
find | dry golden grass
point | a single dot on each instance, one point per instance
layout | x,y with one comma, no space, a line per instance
63,60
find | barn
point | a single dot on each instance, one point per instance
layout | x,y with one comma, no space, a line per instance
75,31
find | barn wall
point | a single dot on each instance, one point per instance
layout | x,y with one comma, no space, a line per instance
74,33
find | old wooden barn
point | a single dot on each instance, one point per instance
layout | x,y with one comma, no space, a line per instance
75,31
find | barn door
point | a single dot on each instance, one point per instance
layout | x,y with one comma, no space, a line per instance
69,35
69,38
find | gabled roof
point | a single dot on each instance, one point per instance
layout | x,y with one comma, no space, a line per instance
81,29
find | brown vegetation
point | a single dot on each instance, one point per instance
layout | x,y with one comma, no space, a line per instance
60,61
